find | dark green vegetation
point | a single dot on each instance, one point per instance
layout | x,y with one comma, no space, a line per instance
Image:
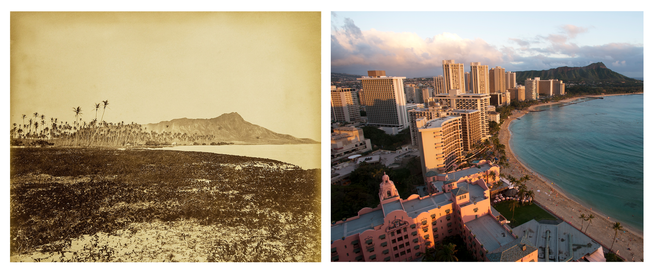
451,249
590,73
365,184
381,140
522,214
60,194
611,257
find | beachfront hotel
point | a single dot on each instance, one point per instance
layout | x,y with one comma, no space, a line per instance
457,99
402,229
384,99
440,142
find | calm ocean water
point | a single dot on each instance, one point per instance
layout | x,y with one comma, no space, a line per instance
307,156
593,150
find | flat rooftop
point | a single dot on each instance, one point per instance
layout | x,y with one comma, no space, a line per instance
365,222
415,207
468,171
438,122
489,232
561,235
391,206
476,193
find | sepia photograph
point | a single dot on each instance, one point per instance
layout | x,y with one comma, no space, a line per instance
165,137
487,136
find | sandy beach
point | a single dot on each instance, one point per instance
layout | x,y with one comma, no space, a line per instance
629,245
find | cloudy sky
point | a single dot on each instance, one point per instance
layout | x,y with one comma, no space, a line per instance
413,44
154,67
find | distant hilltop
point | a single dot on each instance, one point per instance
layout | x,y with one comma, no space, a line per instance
592,72
229,127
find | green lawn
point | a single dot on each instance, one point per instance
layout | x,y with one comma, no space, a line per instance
522,214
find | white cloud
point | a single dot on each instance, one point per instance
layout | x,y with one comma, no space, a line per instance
406,51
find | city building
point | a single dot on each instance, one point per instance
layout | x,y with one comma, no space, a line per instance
468,101
510,80
467,81
497,80
532,89
500,98
439,85
440,143
344,108
410,93
346,141
453,74
546,87
494,116
384,98
517,93
558,87
479,78
430,110
425,94
471,132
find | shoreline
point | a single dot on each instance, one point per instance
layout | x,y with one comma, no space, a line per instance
567,207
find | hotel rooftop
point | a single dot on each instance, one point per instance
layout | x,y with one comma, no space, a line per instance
491,234
564,242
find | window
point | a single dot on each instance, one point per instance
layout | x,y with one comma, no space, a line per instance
427,236
384,244
382,236
400,239
386,251
393,241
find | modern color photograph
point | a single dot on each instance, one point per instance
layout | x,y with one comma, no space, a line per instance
165,137
487,136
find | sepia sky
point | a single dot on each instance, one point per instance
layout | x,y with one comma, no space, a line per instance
160,66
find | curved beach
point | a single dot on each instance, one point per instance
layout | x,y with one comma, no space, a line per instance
628,245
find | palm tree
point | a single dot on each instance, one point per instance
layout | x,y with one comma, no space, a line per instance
78,112
589,218
106,103
617,227
512,207
24,115
446,253
583,217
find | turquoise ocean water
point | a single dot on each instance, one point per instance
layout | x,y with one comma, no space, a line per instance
593,150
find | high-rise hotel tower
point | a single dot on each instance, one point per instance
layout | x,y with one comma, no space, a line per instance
384,99
479,78
453,74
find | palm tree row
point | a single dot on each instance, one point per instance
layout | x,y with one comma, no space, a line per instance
97,133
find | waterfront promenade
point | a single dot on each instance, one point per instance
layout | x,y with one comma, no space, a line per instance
629,245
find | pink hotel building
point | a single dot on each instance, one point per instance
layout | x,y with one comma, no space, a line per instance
401,229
